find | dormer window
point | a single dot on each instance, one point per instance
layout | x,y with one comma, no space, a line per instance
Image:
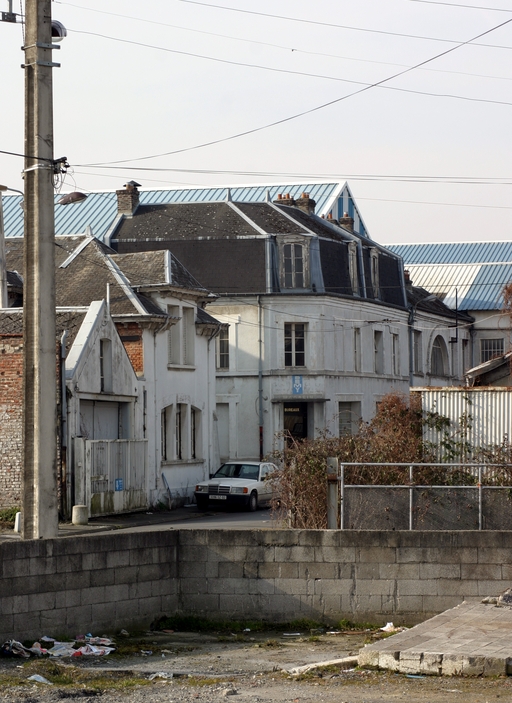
294,264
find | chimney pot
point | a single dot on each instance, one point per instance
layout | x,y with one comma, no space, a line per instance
306,204
128,199
347,222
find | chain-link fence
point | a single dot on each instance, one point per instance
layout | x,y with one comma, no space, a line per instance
364,496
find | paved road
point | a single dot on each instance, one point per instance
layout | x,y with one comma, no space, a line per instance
182,518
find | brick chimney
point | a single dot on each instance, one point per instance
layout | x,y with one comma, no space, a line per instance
407,279
128,199
347,222
306,204
284,200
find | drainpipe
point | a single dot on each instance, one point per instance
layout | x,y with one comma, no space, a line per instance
65,487
410,328
260,376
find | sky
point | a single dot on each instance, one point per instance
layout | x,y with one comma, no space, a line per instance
404,99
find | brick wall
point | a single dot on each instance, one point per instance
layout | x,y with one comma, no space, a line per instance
11,419
131,337
106,582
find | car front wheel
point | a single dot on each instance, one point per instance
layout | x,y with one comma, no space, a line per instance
253,502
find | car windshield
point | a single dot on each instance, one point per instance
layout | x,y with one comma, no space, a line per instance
249,471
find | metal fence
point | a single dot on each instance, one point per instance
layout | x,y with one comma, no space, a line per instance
419,496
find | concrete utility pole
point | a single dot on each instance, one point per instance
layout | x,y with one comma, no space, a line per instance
40,507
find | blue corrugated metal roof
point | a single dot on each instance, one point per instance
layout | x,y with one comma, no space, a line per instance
99,210
478,270
454,252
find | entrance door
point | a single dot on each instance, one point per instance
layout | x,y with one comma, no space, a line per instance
296,420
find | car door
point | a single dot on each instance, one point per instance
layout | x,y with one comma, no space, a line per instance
266,488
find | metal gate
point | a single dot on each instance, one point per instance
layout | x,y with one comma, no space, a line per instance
110,475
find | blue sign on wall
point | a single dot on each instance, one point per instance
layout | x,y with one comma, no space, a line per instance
119,484
297,385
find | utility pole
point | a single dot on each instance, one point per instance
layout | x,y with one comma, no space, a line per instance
40,506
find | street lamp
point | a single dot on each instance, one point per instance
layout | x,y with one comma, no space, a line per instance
412,312
4,301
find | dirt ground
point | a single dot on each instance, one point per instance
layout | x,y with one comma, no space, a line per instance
252,668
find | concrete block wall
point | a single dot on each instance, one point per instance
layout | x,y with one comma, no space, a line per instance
106,582
101,583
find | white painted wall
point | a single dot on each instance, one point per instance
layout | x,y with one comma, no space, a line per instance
329,376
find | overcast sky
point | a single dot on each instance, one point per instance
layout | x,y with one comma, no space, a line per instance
426,154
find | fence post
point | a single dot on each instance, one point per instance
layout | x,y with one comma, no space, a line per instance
342,497
480,521
411,496
332,493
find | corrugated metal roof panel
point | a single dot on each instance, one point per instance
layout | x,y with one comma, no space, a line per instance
477,286
99,209
454,252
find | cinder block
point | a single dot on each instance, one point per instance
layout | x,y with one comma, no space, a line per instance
407,555
125,574
153,572
371,587
386,555
118,592
102,578
491,555
317,570
69,599
367,571
410,604
116,559
295,554
13,604
199,603
149,606
194,586
333,587
221,585
262,586
53,620
101,613
40,602
16,568
230,570
93,595
487,572
432,605
408,571
40,565
406,587
138,590
492,588
68,562
193,538
91,561
125,610
464,588
336,555
163,587
440,571
284,605
291,586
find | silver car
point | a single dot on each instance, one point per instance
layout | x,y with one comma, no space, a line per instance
241,484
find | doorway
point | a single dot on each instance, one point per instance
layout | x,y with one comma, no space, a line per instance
296,420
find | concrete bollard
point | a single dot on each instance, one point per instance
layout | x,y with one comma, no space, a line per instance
17,522
80,515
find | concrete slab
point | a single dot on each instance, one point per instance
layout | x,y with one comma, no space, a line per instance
472,639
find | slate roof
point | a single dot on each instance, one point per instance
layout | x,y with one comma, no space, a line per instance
416,295
233,248
473,274
11,322
150,268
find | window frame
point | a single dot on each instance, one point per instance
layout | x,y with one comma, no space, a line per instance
294,337
491,353
298,275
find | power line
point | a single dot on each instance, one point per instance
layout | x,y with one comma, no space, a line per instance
310,110
327,24
453,4
278,46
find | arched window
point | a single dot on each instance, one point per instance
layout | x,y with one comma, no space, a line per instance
439,358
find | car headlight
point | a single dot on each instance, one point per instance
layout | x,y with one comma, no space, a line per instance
239,489
201,489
